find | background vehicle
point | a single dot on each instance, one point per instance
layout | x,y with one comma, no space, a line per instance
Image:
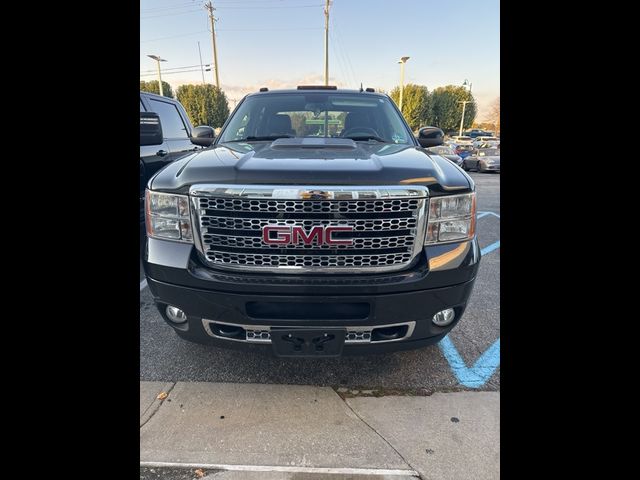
462,150
446,152
478,133
462,139
178,137
490,142
483,160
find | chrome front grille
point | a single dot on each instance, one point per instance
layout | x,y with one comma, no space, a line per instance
387,227
309,206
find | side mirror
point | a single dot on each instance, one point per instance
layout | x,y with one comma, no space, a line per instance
430,137
203,136
150,129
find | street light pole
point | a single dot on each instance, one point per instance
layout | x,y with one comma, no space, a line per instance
326,42
158,60
402,61
464,104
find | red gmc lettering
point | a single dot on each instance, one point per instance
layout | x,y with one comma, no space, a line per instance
297,235
328,236
283,235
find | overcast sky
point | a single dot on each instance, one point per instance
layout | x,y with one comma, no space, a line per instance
280,43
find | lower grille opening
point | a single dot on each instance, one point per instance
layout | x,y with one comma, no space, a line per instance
388,333
228,331
353,334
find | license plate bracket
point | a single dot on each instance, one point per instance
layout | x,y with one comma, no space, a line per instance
308,342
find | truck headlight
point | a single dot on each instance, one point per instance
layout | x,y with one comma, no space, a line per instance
451,218
167,216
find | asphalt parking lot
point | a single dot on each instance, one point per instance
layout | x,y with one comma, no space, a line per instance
468,358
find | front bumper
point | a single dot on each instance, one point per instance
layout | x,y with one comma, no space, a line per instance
443,278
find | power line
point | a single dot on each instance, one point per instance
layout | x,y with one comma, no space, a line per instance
269,8
345,52
171,73
174,68
174,36
336,55
169,14
275,29
167,7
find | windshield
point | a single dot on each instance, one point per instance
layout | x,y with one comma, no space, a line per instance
356,116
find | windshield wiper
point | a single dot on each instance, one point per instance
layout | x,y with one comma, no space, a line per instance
266,137
359,138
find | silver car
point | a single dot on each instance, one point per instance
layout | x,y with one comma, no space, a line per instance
446,152
483,160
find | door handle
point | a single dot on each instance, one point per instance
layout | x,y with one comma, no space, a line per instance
162,153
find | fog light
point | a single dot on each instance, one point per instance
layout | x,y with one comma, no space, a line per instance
444,317
175,314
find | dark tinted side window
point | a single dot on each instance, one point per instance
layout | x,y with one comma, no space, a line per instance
172,124
142,109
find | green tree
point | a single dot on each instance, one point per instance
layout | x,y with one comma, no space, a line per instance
152,87
416,105
447,111
205,104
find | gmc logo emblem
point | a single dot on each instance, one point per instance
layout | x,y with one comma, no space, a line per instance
291,235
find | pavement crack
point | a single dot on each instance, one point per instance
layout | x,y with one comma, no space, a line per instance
156,405
379,435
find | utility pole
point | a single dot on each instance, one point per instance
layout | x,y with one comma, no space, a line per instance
326,42
201,67
210,8
402,61
464,105
158,60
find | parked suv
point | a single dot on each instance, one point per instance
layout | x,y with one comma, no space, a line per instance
174,141
316,225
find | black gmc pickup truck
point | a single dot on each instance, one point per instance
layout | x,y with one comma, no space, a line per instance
315,225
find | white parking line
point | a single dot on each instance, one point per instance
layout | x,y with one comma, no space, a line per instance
143,284
276,468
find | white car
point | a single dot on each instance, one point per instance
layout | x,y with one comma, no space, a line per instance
462,140
486,142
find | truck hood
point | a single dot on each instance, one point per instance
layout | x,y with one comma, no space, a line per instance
293,162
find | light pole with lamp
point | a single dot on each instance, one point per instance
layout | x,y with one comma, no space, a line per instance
158,60
464,104
402,61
